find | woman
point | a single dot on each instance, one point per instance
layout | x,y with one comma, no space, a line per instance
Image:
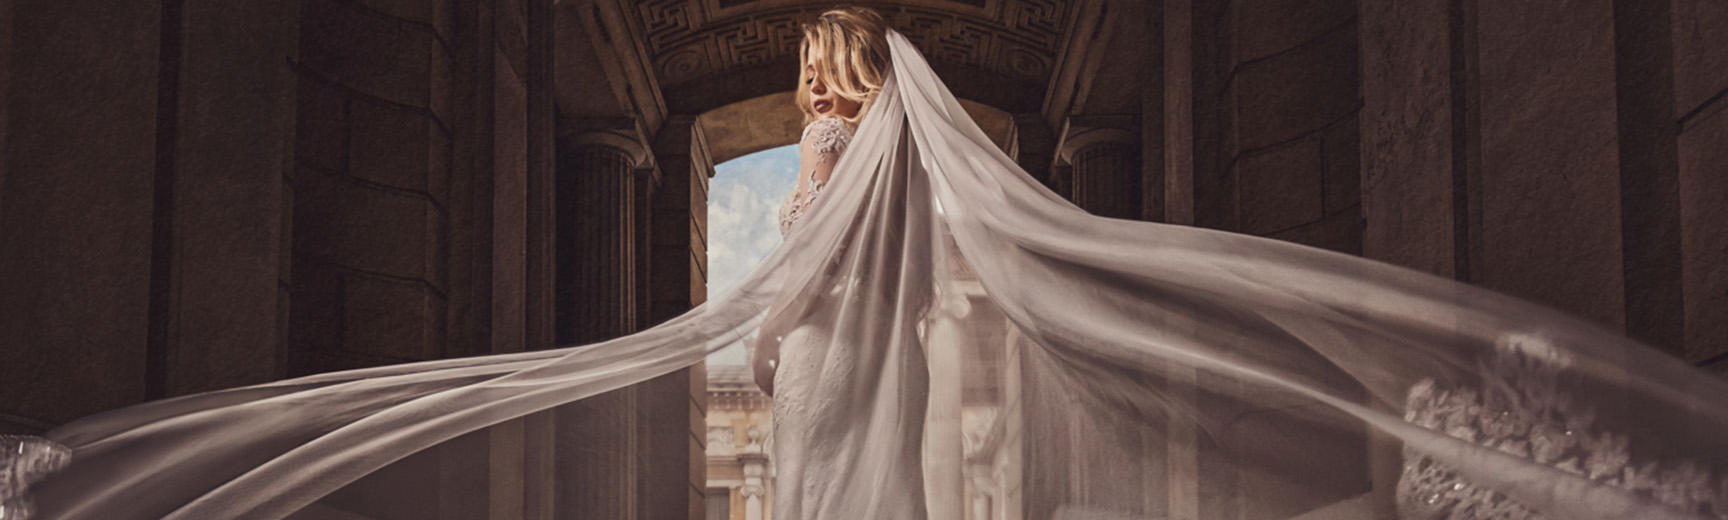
1134,369
829,368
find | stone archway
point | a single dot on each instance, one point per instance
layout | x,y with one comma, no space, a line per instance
687,84
752,125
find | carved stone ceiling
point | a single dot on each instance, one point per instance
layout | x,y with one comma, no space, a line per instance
706,53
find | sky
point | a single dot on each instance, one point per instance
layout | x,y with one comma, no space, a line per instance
743,225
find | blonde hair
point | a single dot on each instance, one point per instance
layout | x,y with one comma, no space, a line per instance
850,46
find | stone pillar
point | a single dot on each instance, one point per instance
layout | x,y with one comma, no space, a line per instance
596,253
945,343
755,488
1550,185
598,446
143,191
1034,146
1699,59
1151,116
233,125
1417,155
538,431
1191,489
82,77
381,200
1415,136
1010,471
1103,152
143,185
676,403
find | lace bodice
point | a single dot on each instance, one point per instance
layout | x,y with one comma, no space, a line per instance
827,139
1523,412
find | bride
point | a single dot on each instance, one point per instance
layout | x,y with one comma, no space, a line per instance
1108,368
829,369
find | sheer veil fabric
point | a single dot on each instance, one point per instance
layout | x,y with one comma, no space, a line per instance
1106,369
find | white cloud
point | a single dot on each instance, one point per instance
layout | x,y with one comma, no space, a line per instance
743,221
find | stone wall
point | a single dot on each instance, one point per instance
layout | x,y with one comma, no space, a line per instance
1556,154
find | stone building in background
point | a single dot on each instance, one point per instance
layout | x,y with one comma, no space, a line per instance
740,444
199,194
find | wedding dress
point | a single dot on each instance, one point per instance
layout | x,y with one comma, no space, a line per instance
937,305
819,379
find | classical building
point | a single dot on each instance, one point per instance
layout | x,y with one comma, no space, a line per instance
199,194
740,444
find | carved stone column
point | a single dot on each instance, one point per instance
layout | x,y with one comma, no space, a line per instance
755,489
596,274
1103,152
945,345
598,446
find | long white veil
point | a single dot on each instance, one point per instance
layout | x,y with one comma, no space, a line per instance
1109,367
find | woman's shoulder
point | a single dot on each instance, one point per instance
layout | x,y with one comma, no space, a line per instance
827,134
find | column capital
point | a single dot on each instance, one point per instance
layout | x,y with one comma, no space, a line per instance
624,134
1081,131
684,136
752,490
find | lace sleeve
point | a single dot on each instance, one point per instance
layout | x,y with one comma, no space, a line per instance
821,145
818,151
826,135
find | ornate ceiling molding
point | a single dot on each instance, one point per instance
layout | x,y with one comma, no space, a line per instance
689,40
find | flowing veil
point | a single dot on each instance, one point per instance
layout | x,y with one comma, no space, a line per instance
1068,365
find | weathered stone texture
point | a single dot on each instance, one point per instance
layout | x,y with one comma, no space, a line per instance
1407,168
1704,243
1281,187
76,211
1550,183
1700,57
1277,26
1302,90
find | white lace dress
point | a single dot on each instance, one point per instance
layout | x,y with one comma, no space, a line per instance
811,442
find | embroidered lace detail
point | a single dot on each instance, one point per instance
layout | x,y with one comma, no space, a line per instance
827,136
795,205
24,460
1522,412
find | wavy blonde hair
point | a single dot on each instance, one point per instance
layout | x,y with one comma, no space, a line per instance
850,46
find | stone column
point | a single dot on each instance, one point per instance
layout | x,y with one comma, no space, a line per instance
1181,457
1550,185
1103,152
1416,144
1414,136
598,445
945,344
676,470
1699,59
538,431
1034,146
754,489
596,272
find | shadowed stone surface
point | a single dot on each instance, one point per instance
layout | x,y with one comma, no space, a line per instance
1550,185
1704,210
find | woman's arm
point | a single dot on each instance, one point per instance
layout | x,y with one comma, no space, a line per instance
818,151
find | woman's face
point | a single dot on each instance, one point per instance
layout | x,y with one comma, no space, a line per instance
824,100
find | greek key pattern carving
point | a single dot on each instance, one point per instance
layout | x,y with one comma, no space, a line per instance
1013,37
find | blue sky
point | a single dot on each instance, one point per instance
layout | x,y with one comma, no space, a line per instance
743,226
